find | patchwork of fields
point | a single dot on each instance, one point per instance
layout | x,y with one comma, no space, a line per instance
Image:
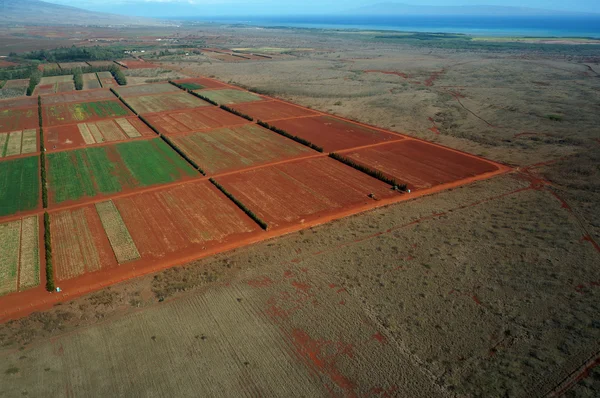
18,119
147,89
55,84
77,96
19,142
59,114
199,83
144,104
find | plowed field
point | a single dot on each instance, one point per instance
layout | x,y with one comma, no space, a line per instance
18,119
55,84
183,219
19,255
229,96
165,102
90,81
199,83
135,64
272,110
24,102
81,173
297,192
91,133
236,148
56,115
18,143
78,96
334,134
19,185
147,89
193,120
107,80
420,165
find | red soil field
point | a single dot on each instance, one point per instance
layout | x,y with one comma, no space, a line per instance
206,83
146,89
19,102
5,64
62,114
78,96
228,149
18,119
420,165
68,137
303,191
135,64
183,220
272,110
334,134
193,120
45,89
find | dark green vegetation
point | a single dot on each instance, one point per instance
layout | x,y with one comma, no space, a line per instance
48,247
34,80
78,79
74,54
42,156
206,99
190,86
290,136
239,204
373,173
16,72
88,172
230,110
19,185
118,75
555,118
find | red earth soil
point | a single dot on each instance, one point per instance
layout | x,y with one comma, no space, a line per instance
134,64
18,119
44,89
334,134
146,89
297,192
187,121
5,64
272,110
206,83
19,102
69,137
69,118
420,165
78,96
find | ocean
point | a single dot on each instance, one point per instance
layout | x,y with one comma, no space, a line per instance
530,26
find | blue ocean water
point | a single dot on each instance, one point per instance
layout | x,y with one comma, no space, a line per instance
538,26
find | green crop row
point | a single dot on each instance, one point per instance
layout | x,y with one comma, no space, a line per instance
239,204
290,136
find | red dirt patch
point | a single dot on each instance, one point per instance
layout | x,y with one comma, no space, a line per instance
6,64
297,192
334,134
204,82
421,165
19,102
77,96
18,119
272,110
193,120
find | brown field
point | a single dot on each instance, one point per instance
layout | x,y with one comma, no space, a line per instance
55,84
194,120
77,96
203,82
90,81
107,80
137,64
72,65
18,119
165,102
25,102
19,255
19,142
147,89
272,110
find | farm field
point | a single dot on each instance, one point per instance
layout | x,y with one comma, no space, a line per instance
19,255
420,165
230,96
77,96
85,173
19,185
193,120
18,119
236,148
19,142
165,102
146,89
60,114
91,133
272,110
14,88
90,81
333,134
136,64
199,83
107,80
72,65
55,84
100,63
297,192
23,102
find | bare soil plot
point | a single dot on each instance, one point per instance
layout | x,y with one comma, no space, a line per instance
107,80
165,102
19,185
137,64
19,142
60,114
272,110
236,148
25,102
19,255
199,83
333,134
18,119
193,120
91,133
420,165
77,96
55,84
231,96
90,81
147,89
79,243
297,192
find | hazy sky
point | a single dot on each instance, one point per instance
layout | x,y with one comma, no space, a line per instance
241,7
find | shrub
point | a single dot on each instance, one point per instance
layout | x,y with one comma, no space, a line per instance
34,80
373,173
2,83
48,246
239,204
291,137
240,114
78,79
118,75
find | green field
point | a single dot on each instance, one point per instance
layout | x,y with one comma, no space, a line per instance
19,185
73,175
224,97
79,112
191,86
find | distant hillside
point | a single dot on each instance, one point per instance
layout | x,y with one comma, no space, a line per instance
40,12
408,9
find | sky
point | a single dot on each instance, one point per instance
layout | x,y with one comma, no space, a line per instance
168,8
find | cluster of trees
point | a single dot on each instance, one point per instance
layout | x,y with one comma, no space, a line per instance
373,173
16,72
238,113
34,80
78,79
290,136
74,54
118,75
239,204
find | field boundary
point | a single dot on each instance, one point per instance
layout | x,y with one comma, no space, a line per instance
290,136
239,204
